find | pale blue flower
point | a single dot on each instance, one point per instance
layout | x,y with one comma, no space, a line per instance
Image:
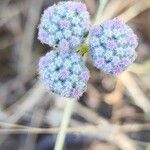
64,21
62,75
67,34
112,46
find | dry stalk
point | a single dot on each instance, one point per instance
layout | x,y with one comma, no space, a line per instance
135,10
36,121
25,55
138,97
115,7
33,97
9,128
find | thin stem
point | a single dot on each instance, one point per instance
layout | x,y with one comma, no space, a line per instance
115,7
134,11
100,10
66,118
19,129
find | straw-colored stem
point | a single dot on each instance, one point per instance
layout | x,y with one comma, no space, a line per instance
66,118
9,128
135,10
116,7
100,10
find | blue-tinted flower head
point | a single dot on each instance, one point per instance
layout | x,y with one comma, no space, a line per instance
66,76
112,46
65,21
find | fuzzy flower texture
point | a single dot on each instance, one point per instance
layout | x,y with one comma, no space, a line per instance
64,25
112,46
66,76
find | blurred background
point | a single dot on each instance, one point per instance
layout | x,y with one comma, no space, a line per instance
114,113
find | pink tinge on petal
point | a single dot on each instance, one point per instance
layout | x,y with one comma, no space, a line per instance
64,74
125,62
43,62
111,44
117,23
42,35
50,11
97,30
70,5
85,76
133,40
117,69
64,24
64,45
64,53
76,93
80,7
99,63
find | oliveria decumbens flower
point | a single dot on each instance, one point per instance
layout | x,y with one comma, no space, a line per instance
112,46
64,25
64,75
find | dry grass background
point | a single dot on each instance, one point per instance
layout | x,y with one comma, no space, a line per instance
113,114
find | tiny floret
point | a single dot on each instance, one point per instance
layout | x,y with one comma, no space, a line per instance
65,21
67,76
112,46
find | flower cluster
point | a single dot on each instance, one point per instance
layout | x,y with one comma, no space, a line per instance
64,25
66,76
112,46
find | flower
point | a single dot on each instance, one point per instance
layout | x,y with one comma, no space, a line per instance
66,76
112,46
67,21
